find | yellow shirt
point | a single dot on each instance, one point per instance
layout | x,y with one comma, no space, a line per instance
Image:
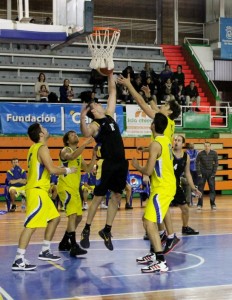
72,181
38,175
163,176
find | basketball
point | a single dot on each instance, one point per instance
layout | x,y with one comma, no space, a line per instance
105,71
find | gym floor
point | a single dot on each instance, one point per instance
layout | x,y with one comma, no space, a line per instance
199,266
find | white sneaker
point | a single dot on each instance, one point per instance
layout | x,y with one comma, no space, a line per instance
156,267
199,207
146,259
22,264
103,206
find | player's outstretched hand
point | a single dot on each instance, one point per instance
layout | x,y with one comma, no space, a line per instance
124,81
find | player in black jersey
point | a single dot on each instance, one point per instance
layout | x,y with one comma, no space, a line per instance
112,166
181,163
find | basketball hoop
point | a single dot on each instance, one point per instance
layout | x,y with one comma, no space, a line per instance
101,43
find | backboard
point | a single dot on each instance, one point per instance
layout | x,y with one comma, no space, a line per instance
71,19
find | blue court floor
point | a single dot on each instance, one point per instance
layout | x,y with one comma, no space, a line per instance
197,261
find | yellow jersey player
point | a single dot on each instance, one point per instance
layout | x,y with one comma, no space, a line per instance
40,211
68,189
163,187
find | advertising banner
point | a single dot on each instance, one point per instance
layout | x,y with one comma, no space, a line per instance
137,122
56,118
226,37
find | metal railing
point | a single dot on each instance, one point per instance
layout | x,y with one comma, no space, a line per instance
213,116
191,28
186,41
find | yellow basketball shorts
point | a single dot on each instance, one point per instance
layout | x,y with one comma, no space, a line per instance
71,201
40,209
157,206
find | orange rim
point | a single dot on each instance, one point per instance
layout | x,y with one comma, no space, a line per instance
102,30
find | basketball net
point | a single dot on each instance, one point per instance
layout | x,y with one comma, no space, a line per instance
101,43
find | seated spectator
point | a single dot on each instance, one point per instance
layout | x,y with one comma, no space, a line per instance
48,21
165,74
192,95
137,84
153,88
167,90
41,81
123,95
66,92
148,72
43,93
97,80
179,94
129,70
53,98
178,77
16,179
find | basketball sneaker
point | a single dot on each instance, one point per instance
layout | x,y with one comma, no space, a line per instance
85,238
107,239
21,264
48,256
189,231
77,250
64,246
156,267
146,259
170,244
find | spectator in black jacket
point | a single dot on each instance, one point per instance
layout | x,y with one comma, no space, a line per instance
192,95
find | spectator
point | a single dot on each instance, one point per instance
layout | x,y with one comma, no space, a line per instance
137,84
129,71
166,74
148,72
168,91
192,95
48,21
16,179
179,93
43,93
41,81
97,80
153,88
178,76
206,165
66,92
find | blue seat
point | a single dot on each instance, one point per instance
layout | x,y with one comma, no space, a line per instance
140,187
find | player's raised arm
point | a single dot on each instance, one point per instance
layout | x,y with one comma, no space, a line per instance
138,98
111,103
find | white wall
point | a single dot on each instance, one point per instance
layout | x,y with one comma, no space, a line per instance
205,56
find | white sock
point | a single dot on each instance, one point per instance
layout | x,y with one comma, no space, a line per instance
161,232
46,245
171,236
20,253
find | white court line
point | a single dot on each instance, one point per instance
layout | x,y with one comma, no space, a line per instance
5,294
176,270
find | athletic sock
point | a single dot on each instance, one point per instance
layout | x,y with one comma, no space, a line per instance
20,253
72,237
65,238
46,245
107,228
160,256
152,250
87,226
